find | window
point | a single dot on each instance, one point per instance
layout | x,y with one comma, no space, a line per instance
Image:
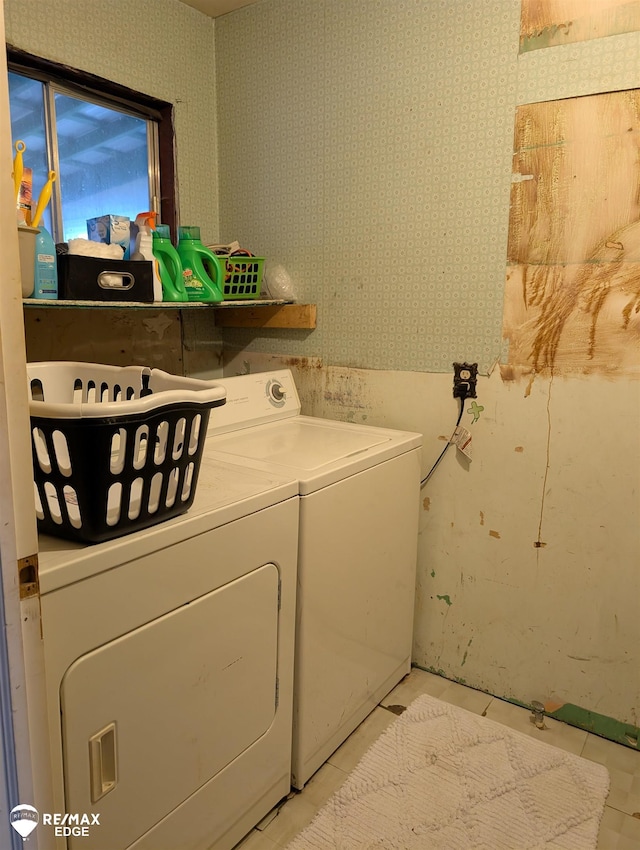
106,149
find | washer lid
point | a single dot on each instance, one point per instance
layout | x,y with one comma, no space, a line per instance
299,444
317,451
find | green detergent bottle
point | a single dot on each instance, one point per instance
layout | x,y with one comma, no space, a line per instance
202,270
169,265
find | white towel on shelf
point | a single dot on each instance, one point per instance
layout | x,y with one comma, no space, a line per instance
89,248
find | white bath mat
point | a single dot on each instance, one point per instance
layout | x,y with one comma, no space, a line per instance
442,778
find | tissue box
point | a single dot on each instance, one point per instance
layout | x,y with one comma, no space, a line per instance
112,229
97,279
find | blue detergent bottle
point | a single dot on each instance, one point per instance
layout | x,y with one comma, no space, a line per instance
45,270
202,270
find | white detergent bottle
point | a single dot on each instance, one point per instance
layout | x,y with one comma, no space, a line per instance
144,251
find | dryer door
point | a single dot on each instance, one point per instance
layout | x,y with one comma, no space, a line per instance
150,717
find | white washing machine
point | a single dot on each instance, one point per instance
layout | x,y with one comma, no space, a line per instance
169,668
359,505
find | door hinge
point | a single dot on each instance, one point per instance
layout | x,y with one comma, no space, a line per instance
28,580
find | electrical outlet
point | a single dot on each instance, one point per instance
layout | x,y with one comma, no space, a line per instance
465,376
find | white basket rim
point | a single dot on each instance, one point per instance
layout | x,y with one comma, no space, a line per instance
170,390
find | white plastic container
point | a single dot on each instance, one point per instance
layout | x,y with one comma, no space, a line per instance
144,251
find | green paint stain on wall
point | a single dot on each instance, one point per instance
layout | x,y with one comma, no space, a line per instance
438,671
599,724
466,652
444,597
433,573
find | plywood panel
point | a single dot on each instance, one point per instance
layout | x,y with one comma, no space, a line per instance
573,281
547,23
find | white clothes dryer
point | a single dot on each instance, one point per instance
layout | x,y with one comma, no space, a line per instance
359,506
169,668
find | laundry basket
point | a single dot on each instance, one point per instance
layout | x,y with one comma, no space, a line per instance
115,449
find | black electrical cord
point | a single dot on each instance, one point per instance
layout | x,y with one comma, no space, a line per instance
463,397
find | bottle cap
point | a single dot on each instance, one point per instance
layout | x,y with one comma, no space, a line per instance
189,233
162,231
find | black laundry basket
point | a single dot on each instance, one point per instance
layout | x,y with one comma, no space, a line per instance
115,449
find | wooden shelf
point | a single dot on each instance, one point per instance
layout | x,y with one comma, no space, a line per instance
269,316
228,314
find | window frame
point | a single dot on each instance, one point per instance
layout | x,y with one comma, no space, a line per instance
108,93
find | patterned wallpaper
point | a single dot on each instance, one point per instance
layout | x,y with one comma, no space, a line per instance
367,146
373,161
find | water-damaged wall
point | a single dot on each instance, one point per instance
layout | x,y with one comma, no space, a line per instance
374,159
527,556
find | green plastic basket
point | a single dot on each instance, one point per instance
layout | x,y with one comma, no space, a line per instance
243,277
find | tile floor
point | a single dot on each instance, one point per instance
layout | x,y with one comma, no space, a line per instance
620,827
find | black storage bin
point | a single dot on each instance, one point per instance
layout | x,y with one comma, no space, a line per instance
97,279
